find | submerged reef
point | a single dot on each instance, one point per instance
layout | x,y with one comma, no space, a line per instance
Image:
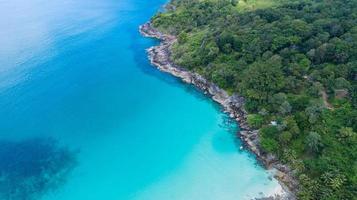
32,167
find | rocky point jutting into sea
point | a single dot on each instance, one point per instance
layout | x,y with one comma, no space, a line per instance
232,104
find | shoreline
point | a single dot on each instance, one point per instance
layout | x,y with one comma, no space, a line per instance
159,56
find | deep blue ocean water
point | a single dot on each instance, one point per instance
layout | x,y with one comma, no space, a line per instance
75,72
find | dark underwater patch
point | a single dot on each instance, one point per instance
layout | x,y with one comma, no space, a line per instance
32,167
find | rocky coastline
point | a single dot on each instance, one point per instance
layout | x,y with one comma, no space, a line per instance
232,104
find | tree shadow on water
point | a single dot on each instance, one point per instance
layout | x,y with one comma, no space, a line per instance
32,167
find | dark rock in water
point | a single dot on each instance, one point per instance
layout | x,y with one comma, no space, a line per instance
32,167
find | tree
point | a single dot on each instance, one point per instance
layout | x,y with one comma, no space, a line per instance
262,79
314,112
269,145
182,37
255,120
313,142
346,134
278,99
334,179
234,2
285,137
292,126
315,89
309,187
269,132
285,108
341,83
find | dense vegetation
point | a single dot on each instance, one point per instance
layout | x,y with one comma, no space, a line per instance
295,62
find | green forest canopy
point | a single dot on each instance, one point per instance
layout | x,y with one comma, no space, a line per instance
295,62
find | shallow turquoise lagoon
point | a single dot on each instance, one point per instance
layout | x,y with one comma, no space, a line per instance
76,71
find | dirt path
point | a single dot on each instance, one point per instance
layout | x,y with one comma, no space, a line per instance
325,99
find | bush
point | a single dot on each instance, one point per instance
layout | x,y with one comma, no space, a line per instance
269,145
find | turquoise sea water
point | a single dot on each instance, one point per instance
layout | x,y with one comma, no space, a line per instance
76,71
